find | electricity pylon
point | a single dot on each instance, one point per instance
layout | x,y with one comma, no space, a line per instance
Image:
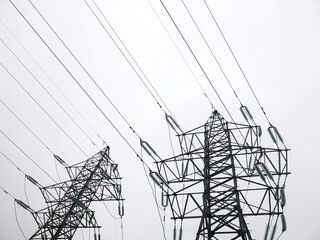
222,177
96,179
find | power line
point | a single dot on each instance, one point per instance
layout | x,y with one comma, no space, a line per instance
62,64
51,96
134,60
211,51
38,104
81,65
95,15
199,64
71,75
27,127
88,95
236,60
46,146
53,82
15,211
92,77
129,61
194,56
180,53
89,75
19,169
24,153
6,192
246,79
16,216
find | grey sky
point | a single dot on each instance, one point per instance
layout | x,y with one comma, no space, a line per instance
276,43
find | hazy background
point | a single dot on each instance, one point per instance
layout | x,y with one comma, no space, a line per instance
276,43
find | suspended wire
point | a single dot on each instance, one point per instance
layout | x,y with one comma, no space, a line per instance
114,218
172,149
25,175
25,189
72,76
43,87
6,192
125,55
211,51
156,202
92,77
134,60
34,136
89,73
127,58
26,156
121,220
15,213
202,69
37,80
95,15
81,65
153,190
82,234
180,53
57,171
237,62
7,107
12,162
38,104
105,206
200,64
53,82
194,56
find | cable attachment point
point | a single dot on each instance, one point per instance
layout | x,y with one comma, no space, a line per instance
172,122
158,179
246,113
121,209
146,146
274,134
22,204
32,180
59,159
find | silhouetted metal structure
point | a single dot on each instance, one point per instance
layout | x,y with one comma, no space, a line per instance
222,177
96,179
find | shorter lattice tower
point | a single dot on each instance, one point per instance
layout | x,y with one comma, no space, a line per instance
96,179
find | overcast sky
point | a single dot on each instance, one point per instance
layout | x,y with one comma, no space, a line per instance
276,43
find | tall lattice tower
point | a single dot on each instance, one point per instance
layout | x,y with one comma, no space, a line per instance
96,179
223,177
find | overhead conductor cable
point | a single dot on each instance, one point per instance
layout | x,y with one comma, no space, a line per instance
72,76
245,77
42,108
51,96
52,81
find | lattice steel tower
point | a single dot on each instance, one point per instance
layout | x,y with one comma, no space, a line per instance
96,179
222,177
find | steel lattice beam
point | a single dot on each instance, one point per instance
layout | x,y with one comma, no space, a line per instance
96,179
222,177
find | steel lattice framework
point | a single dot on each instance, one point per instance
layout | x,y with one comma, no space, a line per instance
96,179
222,177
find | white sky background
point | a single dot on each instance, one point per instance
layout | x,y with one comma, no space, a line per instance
276,43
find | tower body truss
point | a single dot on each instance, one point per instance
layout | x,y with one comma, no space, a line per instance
96,179
222,177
